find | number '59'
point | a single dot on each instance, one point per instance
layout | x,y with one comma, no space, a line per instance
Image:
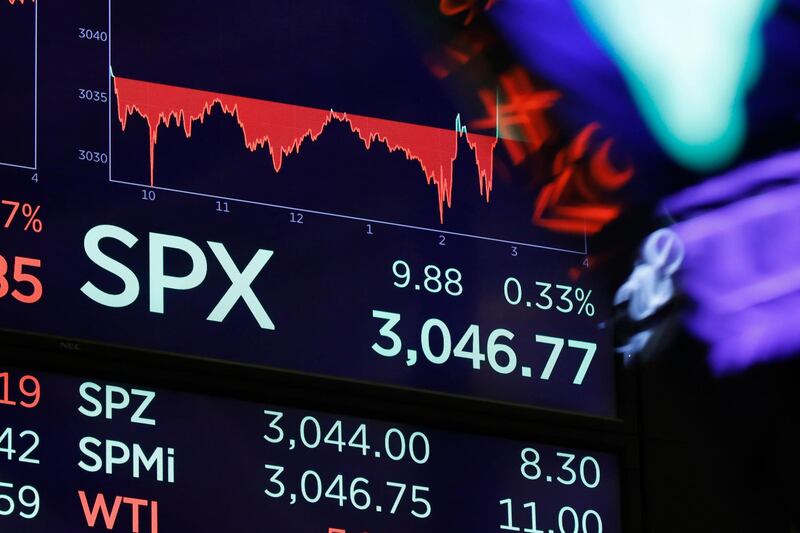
22,278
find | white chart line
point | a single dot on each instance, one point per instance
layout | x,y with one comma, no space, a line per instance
35,95
26,167
36,85
310,211
585,239
351,217
110,94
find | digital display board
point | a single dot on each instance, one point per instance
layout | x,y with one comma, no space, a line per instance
285,185
91,455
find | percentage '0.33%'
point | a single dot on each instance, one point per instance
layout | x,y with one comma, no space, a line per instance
567,299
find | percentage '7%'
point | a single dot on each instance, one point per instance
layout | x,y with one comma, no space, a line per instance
27,214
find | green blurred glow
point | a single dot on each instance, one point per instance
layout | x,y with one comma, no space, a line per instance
689,65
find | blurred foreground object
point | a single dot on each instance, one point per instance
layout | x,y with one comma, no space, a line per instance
689,65
649,288
741,233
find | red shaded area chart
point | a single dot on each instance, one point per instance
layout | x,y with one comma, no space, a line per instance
283,128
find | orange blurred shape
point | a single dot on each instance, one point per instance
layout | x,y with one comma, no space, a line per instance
454,55
577,199
575,273
520,119
472,7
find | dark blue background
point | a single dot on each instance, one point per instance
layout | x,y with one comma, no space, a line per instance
326,275
220,477
17,109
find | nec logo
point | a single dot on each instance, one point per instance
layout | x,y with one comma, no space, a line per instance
159,281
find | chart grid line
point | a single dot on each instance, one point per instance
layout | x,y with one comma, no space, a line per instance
26,167
110,73
349,217
35,96
36,85
332,214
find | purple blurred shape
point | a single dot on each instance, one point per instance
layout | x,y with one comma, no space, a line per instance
741,233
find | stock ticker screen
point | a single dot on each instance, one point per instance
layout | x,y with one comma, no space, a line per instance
292,186
284,186
133,458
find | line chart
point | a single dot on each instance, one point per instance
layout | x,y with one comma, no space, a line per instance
150,115
19,27
283,128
